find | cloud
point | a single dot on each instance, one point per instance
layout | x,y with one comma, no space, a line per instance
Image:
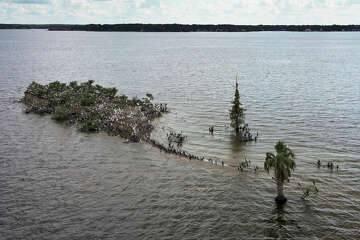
150,3
27,1
181,11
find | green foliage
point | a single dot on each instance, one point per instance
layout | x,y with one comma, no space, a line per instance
74,85
38,89
65,97
70,103
237,115
123,101
123,98
87,99
150,96
90,126
98,87
56,86
110,92
40,92
60,114
282,163
34,85
87,86
90,82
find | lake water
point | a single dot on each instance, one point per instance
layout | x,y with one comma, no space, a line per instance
303,88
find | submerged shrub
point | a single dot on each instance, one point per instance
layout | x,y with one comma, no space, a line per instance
178,138
90,126
60,114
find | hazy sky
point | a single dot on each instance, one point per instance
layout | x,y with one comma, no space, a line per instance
181,11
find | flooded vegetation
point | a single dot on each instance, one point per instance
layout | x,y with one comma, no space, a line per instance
57,182
237,117
94,108
283,164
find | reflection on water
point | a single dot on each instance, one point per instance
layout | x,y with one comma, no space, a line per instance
303,88
278,222
236,145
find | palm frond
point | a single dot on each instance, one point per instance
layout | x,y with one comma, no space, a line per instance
282,163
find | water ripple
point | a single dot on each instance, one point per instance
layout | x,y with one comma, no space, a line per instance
57,183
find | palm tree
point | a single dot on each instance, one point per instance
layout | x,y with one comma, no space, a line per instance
282,163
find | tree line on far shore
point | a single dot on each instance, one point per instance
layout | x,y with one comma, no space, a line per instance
138,27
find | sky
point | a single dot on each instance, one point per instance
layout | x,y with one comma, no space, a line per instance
181,11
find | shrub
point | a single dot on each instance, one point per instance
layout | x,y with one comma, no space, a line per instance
74,85
178,138
38,89
39,92
65,97
87,100
150,96
90,82
60,114
123,98
98,87
110,92
56,86
90,126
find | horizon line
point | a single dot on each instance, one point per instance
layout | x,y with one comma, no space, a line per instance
188,24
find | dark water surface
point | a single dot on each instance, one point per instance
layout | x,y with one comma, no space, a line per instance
303,88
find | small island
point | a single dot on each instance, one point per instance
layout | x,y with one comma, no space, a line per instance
94,108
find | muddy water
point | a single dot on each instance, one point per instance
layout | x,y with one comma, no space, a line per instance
303,88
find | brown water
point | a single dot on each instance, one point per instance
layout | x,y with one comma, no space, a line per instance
303,88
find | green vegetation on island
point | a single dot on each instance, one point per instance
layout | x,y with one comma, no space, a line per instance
94,108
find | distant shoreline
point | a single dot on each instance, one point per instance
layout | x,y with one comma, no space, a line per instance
184,27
